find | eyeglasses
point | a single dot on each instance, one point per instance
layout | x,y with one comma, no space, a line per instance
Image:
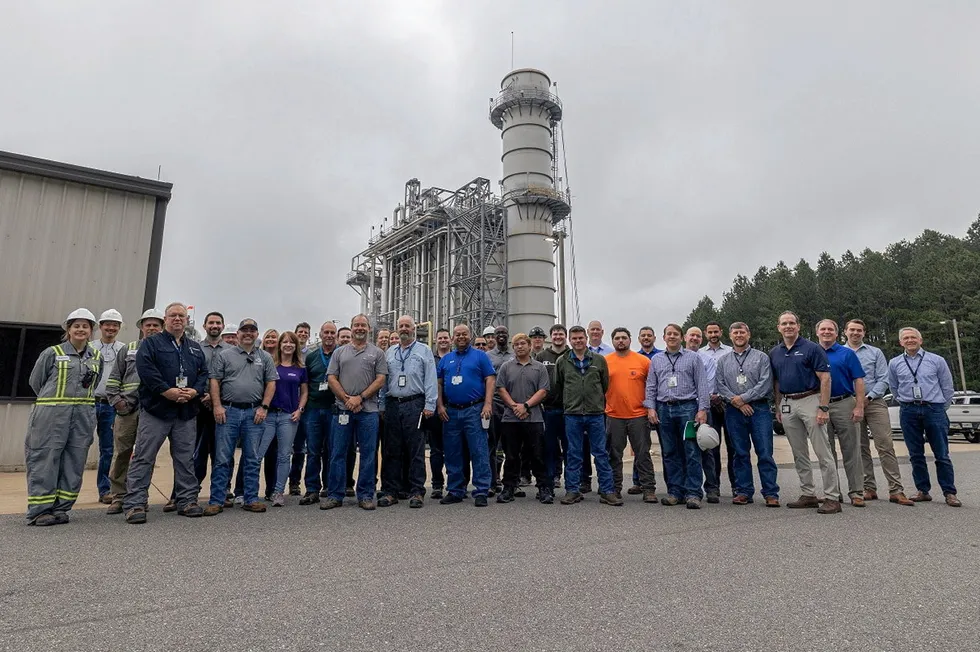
249,329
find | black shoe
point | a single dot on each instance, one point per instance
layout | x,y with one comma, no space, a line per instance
294,490
310,498
585,488
480,501
326,494
548,499
714,497
349,492
436,493
193,510
492,492
450,499
403,495
60,518
506,496
387,501
415,502
520,493
45,520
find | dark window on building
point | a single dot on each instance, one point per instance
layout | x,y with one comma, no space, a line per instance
20,346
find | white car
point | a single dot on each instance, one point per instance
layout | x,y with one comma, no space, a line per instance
963,413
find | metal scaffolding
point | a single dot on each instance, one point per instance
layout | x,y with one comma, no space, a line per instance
441,259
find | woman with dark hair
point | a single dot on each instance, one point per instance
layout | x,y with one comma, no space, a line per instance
285,410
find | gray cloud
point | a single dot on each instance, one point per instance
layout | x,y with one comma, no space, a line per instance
704,139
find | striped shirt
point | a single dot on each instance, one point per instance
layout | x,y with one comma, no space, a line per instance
677,376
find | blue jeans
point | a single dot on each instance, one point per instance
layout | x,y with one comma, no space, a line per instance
577,426
465,425
361,427
922,423
747,433
555,442
105,415
279,426
317,422
299,453
238,423
682,458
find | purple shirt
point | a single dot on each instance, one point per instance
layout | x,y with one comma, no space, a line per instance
287,388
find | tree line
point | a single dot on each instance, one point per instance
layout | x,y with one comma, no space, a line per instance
932,279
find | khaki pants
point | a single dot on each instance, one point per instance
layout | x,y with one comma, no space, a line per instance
841,428
876,425
124,440
801,427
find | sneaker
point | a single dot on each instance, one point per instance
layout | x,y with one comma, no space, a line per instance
310,498
366,504
480,501
46,519
714,497
585,488
324,493
548,498
331,503
115,508
136,516
557,483
670,501
450,499
267,498
278,500
520,493
635,490
415,502
610,499
525,481
571,498
387,501
294,490
436,493
256,507
506,496
60,518
213,510
171,506
192,510
239,501
693,503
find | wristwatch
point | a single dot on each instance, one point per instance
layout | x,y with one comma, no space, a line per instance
527,407
264,407
823,408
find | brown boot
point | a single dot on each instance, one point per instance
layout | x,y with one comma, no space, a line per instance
921,497
857,501
901,499
804,502
870,494
829,507
213,510
650,497
953,501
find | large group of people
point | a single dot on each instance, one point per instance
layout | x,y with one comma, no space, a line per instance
497,412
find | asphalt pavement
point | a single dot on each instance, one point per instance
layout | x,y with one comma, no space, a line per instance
515,577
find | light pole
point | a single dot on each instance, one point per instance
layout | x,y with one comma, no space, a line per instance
558,238
959,353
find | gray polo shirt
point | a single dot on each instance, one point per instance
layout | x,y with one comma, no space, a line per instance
522,381
242,381
210,350
356,370
497,359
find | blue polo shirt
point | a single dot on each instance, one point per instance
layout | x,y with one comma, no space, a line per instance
845,367
795,368
473,366
652,353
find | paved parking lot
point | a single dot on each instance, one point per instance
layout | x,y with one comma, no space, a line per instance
522,576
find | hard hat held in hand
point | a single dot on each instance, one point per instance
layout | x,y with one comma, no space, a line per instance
80,313
707,437
111,315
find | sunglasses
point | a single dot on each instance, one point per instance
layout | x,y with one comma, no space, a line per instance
250,329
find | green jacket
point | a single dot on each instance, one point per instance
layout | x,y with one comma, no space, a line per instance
581,393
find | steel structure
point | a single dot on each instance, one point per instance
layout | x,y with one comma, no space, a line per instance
527,112
441,259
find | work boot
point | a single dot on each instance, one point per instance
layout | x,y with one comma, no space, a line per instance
571,498
106,499
331,503
436,493
60,518
45,520
870,494
136,516
714,497
804,502
693,503
387,501
506,496
171,506
213,510
294,490
480,501
611,499
191,510
829,507
635,490
256,507
670,501
115,508
310,498
649,496
366,504
547,497
415,502
450,499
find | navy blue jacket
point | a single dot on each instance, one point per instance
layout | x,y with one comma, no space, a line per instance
158,363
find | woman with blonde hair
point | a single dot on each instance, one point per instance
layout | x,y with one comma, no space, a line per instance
285,410
62,424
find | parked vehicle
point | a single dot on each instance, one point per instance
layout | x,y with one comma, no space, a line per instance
963,413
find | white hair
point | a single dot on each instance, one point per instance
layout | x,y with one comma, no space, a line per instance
909,328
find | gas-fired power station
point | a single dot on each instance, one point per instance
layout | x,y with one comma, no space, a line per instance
471,255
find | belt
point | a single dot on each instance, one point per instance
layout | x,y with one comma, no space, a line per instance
463,406
835,399
686,400
904,403
102,400
272,409
241,406
800,395
406,399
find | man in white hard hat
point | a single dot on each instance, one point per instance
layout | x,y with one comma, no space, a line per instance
110,322
488,334
122,392
229,335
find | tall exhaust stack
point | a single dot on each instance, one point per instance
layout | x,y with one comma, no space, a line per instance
526,112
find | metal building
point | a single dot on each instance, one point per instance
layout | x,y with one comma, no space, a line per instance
69,236
468,256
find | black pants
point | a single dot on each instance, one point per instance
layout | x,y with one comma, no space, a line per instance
494,437
437,459
205,444
711,459
404,442
517,435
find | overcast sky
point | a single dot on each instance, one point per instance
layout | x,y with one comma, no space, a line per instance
703,139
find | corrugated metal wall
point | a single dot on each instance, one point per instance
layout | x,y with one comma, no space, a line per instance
65,245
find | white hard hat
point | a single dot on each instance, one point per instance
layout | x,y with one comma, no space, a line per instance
152,313
489,330
80,313
230,330
707,437
110,315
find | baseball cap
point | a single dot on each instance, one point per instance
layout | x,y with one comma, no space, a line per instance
489,330
537,331
247,322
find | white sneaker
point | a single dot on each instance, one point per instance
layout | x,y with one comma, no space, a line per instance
278,500
239,501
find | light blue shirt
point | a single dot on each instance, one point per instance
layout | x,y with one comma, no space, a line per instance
710,369
754,366
716,353
418,367
927,370
875,370
602,349
688,368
